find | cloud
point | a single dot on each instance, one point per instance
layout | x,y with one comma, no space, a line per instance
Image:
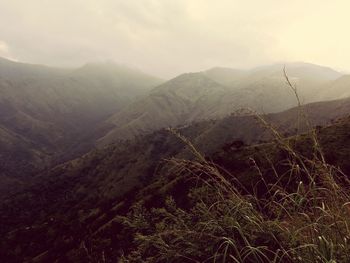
167,37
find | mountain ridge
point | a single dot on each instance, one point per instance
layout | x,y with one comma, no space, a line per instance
263,89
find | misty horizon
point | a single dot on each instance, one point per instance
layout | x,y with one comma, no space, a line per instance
166,38
281,64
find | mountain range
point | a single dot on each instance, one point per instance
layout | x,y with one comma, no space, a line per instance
80,147
45,112
218,92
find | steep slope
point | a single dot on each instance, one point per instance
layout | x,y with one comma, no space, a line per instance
338,89
48,113
179,101
60,95
265,89
197,96
247,128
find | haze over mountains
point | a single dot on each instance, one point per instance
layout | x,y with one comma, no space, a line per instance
47,111
174,131
218,92
76,143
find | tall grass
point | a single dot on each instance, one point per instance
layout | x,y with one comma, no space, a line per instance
303,214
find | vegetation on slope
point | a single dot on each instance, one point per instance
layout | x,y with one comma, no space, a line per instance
218,92
49,114
278,202
256,203
281,200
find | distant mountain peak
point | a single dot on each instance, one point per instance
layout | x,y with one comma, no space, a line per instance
189,83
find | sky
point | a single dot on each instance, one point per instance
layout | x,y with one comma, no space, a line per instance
169,37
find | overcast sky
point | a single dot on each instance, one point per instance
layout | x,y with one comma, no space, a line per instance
168,37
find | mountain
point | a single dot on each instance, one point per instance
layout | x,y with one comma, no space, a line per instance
247,128
218,92
226,76
80,203
179,101
139,157
62,200
49,113
340,88
298,69
61,95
